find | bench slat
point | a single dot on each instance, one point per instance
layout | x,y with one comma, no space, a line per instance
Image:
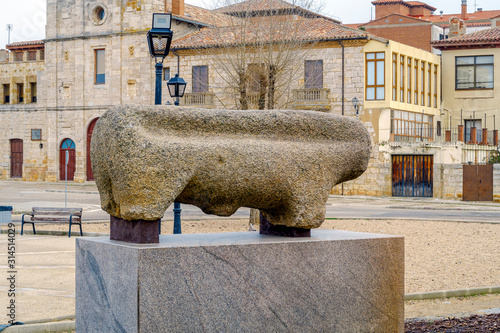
54,219
57,209
56,213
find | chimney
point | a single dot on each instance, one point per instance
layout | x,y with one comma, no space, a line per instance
178,7
464,9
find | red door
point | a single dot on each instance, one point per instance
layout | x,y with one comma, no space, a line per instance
16,158
67,145
90,174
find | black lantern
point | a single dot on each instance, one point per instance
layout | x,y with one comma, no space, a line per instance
160,36
355,103
176,87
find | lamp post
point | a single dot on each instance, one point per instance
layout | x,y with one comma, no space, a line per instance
355,103
176,87
159,40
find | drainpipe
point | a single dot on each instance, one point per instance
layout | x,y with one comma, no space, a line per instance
343,77
343,90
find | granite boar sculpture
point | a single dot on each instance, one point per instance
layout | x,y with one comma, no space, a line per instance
283,163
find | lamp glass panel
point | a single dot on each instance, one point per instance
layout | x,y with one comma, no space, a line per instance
161,21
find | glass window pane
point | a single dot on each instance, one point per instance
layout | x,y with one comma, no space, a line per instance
370,79
484,60
380,72
381,93
370,56
465,77
484,76
464,60
381,55
370,93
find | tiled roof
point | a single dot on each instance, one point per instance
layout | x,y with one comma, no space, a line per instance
484,15
25,45
404,17
406,3
311,30
256,6
200,15
487,37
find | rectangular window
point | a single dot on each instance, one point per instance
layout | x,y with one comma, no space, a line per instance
18,56
20,93
31,55
100,75
435,86
422,83
375,76
313,76
408,85
429,85
200,79
166,73
394,77
33,92
410,126
42,54
415,86
6,93
475,72
402,79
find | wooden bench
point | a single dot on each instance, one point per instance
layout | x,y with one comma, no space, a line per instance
54,215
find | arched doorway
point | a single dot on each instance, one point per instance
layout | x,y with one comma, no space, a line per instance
67,145
16,158
90,129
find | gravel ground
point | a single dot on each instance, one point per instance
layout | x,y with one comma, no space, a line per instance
438,255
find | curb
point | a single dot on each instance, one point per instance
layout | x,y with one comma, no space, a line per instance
58,233
453,293
62,326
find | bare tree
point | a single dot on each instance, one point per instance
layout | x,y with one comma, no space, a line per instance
258,51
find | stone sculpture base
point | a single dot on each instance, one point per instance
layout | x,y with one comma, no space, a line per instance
138,231
334,281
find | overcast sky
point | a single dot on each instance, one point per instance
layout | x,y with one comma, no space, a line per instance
29,19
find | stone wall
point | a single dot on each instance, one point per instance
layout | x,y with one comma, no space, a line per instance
41,158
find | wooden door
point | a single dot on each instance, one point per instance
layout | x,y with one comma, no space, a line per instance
412,175
16,158
90,174
67,145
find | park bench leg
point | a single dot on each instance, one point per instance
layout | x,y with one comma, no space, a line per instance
69,233
81,232
34,231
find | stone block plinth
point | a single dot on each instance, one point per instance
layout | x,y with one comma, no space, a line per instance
334,281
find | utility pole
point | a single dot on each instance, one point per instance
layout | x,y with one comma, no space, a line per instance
9,29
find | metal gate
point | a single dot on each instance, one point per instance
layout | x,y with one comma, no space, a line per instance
478,182
412,175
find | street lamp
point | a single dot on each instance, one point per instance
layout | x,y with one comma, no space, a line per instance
159,40
176,87
355,103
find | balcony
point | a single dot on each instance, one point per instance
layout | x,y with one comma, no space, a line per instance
201,100
311,99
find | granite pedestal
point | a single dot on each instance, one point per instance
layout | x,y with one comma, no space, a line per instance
334,281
